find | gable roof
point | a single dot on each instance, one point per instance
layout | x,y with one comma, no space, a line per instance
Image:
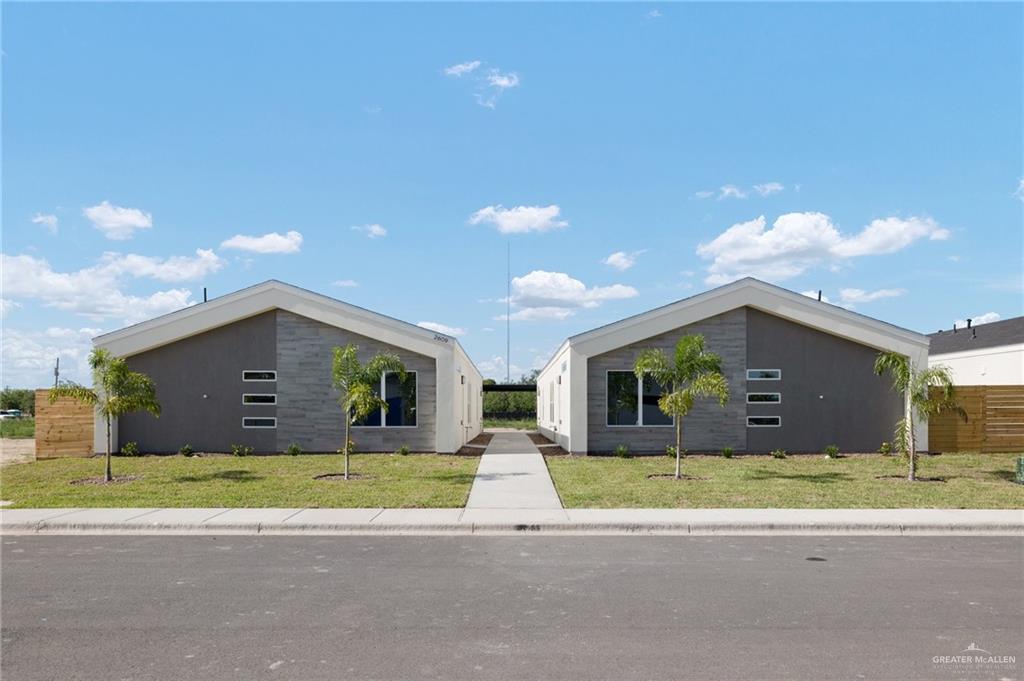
264,297
750,292
991,335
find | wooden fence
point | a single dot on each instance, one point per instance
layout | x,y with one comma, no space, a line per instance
63,428
995,421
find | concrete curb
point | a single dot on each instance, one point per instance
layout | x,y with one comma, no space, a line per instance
493,522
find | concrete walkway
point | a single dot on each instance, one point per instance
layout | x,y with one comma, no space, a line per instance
447,521
513,475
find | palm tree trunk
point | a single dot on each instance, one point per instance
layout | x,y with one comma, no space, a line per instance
911,443
107,475
679,446
348,425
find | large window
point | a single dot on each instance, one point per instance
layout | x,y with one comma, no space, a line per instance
631,403
401,400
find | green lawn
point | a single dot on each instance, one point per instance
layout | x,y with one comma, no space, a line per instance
971,481
18,428
394,481
518,424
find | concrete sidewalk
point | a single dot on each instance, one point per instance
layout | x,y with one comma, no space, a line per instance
369,521
512,475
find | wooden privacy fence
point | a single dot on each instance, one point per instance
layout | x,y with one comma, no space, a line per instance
63,428
995,421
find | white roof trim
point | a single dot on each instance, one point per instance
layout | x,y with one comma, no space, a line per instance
271,295
759,295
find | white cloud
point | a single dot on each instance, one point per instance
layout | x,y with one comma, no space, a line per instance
443,328
798,241
1019,192
853,296
47,220
346,283
495,368
493,85
986,318
502,81
268,243
373,231
654,14
554,295
93,292
6,306
521,219
173,269
622,260
814,294
731,191
459,70
487,329
704,194
116,222
28,356
769,188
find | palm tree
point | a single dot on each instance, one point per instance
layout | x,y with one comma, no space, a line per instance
116,391
693,373
918,399
359,385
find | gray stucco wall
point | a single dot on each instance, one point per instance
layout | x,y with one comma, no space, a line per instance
709,426
199,386
308,411
830,393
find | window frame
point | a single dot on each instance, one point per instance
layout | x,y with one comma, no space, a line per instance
259,404
763,425
639,404
762,378
383,414
259,371
263,418
778,401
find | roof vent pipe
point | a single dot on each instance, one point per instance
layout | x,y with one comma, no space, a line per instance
819,295
968,323
204,294
954,327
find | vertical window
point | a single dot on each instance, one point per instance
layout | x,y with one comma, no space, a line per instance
622,399
651,415
400,397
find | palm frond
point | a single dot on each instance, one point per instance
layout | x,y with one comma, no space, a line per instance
654,362
345,367
710,385
75,392
896,364
383,363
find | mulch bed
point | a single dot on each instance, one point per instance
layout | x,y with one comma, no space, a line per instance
538,439
552,450
98,480
482,439
341,477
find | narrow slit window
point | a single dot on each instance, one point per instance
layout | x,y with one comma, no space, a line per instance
259,375
764,398
259,422
764,374
764,421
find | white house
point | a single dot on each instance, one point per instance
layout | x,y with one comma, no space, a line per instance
986,354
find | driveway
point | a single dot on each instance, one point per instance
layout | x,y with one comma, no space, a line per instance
17,451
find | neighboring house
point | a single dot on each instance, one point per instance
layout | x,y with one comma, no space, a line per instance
988,354
254,368
800,372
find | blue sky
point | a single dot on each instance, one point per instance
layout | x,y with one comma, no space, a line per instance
632,154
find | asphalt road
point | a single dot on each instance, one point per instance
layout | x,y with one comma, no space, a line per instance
306,608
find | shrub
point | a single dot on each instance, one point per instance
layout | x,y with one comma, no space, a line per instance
727,452
622,451
885,449
403,450
186,450
670,452
832,452
241,450
130,449
294,449
778,453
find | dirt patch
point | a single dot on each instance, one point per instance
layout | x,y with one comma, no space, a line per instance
17,450
341,477
470,450
552,450
903,478
538,439
670,476
98,480
483,439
